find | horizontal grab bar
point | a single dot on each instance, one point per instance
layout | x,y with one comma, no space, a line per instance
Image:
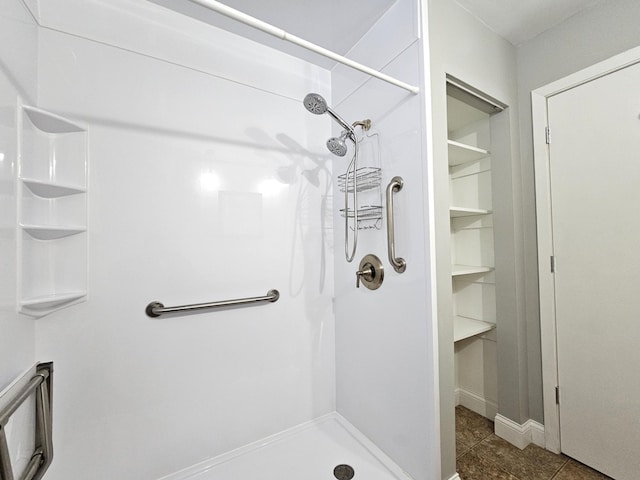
155,309
21,396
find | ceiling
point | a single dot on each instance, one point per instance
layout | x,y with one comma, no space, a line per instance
338,24
333,24
522,20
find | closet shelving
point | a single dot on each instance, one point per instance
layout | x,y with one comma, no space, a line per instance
52,212
471,217
460,153
458,270
467,212
469,327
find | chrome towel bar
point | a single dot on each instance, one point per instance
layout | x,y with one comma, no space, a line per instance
155,309
11,400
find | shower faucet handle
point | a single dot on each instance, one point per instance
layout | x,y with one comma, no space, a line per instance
370,272
366,273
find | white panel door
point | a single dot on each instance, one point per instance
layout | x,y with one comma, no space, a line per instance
595,194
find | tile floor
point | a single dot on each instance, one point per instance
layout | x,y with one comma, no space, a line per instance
484,456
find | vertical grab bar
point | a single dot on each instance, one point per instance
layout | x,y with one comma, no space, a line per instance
399,265
40,383
6,471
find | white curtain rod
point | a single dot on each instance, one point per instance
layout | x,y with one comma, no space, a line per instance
278,32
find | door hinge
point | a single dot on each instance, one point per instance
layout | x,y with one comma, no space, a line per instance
553,264
557,395
547,135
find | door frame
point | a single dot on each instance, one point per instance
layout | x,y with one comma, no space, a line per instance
545,232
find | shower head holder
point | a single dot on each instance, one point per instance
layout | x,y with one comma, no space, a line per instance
365,124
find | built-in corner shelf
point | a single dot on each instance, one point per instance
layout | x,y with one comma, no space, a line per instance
455,212
52,123
464,327
51,190
460,153
52,212
48,303
457,270
45,232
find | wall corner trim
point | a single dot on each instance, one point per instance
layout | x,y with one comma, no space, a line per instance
519,435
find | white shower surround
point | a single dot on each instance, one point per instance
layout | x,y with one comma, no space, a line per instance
202,189
17,345
198,133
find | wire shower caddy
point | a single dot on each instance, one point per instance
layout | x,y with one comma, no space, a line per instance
367,179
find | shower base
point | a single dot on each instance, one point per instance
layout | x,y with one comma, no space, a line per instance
308,451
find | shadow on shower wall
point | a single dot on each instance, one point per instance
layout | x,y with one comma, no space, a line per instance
312,169
317,176
307,169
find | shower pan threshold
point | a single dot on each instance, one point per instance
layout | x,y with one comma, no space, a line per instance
310,450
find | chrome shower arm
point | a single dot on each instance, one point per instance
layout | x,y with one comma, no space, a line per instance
342,123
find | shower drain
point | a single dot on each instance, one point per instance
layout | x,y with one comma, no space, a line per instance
343,472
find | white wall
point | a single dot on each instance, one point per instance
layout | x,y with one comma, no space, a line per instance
18,77
18,80
604,30
385,349
462,46
137,398
18,48
208,181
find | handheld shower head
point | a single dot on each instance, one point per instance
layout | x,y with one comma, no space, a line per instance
337,145
317,105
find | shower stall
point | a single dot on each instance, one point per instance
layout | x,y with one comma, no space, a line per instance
156,160
198,175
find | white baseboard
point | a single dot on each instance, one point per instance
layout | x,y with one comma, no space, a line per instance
476,403
519,435
455,477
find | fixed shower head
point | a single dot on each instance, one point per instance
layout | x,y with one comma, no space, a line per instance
317,105
337,145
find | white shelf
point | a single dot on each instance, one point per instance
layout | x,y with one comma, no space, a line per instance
47,232
52,212
51,189
464,327
457,270
49,302
460,153
455,212
50,122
